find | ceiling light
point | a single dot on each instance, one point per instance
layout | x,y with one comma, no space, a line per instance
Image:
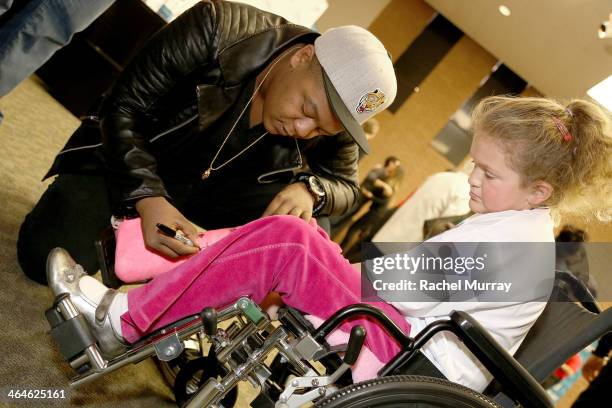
505,11
602,93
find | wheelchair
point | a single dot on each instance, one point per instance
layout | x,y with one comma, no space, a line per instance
290,362
205,356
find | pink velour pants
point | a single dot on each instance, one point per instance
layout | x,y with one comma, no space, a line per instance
280,254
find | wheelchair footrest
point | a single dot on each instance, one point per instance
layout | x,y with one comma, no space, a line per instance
72,336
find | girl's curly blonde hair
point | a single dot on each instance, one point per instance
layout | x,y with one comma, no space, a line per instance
533,131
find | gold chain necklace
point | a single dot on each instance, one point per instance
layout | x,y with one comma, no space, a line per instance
211,168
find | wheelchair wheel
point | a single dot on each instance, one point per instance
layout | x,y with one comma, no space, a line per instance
406,391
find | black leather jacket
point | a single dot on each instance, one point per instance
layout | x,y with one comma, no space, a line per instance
186,77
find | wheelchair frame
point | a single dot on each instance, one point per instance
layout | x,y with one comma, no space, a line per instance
243,348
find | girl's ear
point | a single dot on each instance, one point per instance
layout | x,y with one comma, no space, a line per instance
540,192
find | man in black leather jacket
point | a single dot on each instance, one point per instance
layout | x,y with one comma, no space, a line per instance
209,124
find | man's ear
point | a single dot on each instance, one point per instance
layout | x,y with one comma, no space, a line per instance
302,56
540,192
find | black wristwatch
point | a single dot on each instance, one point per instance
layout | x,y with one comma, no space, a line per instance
315,188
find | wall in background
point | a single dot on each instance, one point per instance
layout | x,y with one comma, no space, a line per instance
345,12
407,133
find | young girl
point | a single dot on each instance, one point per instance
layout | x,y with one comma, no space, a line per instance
531,156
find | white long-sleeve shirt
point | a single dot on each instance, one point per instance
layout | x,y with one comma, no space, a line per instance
507,322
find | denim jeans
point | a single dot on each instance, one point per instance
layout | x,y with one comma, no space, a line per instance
37,31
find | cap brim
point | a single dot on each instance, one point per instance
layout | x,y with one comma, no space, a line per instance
349,123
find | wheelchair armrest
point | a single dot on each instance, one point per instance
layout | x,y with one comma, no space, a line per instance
514,378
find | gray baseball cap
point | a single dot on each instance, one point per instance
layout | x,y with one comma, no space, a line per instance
358,75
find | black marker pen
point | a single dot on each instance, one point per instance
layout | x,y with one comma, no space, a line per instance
176,234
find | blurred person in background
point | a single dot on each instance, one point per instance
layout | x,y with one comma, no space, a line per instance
380,197
375,180
371,128
444,194
572,256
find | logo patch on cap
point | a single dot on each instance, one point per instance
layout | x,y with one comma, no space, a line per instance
370,101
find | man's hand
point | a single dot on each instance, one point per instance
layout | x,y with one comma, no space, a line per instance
155,210
592,367
295,199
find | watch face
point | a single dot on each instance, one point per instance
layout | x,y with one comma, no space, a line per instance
316,186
